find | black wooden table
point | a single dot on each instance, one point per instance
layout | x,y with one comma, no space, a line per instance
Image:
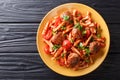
19,58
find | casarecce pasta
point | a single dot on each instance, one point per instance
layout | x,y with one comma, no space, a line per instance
72,39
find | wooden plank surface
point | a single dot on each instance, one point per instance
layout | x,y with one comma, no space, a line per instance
28,66
34,10
18,37
19,58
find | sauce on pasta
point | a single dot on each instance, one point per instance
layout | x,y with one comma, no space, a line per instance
72,39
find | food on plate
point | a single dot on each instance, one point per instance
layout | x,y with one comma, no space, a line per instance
73,39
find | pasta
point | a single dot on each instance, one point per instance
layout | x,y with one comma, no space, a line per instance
72,39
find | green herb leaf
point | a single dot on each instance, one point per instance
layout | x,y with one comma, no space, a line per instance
55,47
81,46
87,51
78,26
71,40
98,35
66,18
87,60
63,27
54,32
71,21
65,35
84,32
78,14
63,55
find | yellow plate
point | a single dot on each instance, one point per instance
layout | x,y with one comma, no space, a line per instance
51,63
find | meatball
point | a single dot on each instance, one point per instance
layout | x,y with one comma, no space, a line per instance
94,47
73,59
76,33
58,38
67,16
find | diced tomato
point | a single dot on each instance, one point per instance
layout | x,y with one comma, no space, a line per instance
103,45
48,35
67,44
88,33
47,49
103,38
77,14
79,18
61,62
57,21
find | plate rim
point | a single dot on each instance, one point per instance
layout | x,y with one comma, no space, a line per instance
45,15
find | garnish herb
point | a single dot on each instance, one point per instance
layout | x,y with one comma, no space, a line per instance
78,26
55,47
65,35
54,32
84,32
71,21
71,40
63,55
66,18
78,14
98,35
63,27
87,60
87,51
81,45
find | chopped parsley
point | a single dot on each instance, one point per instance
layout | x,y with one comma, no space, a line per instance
98,35
54,32
65,35
81,46
71,40
63,27
84,32
87,60
78,26
78,14
87,51
71,21
63,55
66,18
55,47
